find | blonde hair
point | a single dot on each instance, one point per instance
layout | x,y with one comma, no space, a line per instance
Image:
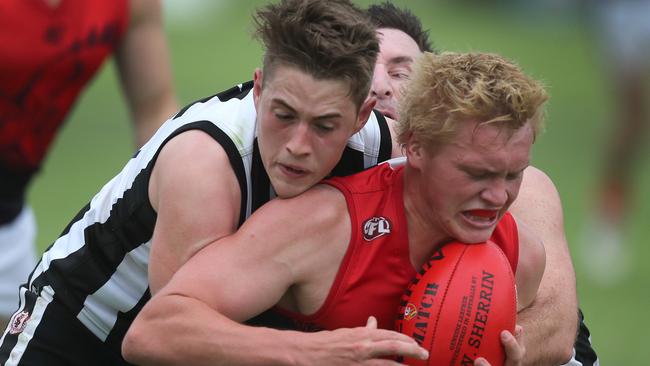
452,88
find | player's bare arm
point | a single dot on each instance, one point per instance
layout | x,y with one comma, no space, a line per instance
553,313
530,268
189,219
267,261
145,69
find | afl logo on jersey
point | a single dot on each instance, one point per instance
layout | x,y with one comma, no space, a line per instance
375,227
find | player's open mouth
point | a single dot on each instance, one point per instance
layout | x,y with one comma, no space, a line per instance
292,171
386,109
481,217
388,113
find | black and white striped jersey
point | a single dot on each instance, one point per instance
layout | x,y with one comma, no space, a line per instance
97,268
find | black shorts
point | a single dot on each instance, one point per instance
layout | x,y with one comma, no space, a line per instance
42,333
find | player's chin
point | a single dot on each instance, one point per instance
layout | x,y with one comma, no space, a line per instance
468,231
289,189
474,235
289,192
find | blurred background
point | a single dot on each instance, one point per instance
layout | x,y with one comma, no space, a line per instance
212,49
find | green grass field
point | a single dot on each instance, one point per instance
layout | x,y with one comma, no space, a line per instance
214,50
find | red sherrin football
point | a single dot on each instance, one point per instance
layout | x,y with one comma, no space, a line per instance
459,303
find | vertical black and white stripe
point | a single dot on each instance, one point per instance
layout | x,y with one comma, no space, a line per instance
97,268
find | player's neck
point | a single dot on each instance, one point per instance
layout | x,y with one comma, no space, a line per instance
424,236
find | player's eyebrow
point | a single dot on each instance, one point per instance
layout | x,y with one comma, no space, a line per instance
487,170
400,60
284,104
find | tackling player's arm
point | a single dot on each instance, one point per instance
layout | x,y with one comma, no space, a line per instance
550,323
280,255
144,67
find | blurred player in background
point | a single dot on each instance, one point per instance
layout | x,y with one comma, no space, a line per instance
622,30
51,49
551,321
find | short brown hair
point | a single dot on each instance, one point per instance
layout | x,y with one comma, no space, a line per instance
450,88
387,15
328,39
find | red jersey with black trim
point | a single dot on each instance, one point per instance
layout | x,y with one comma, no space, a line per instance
376,268
48,53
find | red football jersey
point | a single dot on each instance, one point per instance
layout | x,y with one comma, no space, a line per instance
376,268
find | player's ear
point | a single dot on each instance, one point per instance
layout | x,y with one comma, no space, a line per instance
364,112
257,86
414,151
